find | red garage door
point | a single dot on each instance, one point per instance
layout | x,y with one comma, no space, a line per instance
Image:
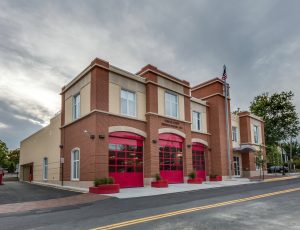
170,158
199,160
126,159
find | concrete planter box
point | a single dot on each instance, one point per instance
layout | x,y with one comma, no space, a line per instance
215,178
195,181
105,189
160,184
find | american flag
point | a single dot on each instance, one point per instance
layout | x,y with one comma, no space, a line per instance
224,76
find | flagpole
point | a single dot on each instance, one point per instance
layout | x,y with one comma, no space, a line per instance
227,126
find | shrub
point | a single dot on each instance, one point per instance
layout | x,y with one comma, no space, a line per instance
157,177
104,180
192,175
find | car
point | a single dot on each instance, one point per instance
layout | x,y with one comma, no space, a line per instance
277,168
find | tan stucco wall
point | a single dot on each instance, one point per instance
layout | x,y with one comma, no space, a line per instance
235,123
116,83
197,107
170,85
161,104
84,88
44,143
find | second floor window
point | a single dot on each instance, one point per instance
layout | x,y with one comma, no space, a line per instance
234,134
255,131
171,105
128,103
76,106
196,121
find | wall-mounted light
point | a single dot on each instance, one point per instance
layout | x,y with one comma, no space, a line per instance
101,136
154,141
188,145
91,136
61,146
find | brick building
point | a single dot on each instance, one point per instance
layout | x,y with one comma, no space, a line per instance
134,126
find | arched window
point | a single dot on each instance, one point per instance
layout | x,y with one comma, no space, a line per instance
75,164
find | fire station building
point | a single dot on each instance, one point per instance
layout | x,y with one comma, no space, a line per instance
134,126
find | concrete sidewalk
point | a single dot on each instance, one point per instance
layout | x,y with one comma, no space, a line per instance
173,188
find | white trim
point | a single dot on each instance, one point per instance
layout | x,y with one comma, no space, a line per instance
170,130
72,151
198,140
112,129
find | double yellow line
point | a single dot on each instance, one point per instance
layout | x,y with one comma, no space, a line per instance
189,210
280,178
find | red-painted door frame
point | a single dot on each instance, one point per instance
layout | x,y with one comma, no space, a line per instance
171,157
126,159
198,154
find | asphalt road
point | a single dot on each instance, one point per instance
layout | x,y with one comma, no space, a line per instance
277,211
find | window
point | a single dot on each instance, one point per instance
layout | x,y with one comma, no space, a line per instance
128,103
255,130
76,106
234,134
45,168
196,121
75,164
171,105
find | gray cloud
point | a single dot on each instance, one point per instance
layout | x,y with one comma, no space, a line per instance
44,44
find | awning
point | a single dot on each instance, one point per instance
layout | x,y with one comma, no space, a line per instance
245,148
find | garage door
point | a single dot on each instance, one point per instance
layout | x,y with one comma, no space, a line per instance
199,160
126,159
170,158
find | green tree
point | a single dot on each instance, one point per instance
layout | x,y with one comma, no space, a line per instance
3,154
260,161
13,159
273,155
295,147
279,114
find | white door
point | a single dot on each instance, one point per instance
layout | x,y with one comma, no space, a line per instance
236,164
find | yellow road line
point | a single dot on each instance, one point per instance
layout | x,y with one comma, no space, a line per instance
189,210
280,178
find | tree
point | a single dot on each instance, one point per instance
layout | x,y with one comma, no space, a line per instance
260,162
273,155
3,153
13,159
279,114
295,147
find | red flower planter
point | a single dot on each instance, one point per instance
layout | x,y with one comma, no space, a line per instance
105,189
195,181
159,184
215,178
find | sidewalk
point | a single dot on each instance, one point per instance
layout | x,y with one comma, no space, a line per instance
52,203
173,188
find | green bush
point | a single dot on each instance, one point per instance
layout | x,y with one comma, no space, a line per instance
104,180
192,175
157,177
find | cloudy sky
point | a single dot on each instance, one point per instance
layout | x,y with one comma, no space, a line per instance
44,44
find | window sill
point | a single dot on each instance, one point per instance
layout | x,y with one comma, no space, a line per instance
75,179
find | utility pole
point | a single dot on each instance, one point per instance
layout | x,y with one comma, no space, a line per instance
224,77
291,154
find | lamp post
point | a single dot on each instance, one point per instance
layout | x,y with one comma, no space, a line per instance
227,122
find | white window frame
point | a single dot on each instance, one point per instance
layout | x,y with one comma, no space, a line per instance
256,134
127,103
76,107
45,168
72,165
198,120
177,105
234,134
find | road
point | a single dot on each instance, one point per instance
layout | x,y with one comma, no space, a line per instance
272,205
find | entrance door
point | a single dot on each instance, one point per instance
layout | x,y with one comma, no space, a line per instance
170,158
126,159
236,165
199,160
